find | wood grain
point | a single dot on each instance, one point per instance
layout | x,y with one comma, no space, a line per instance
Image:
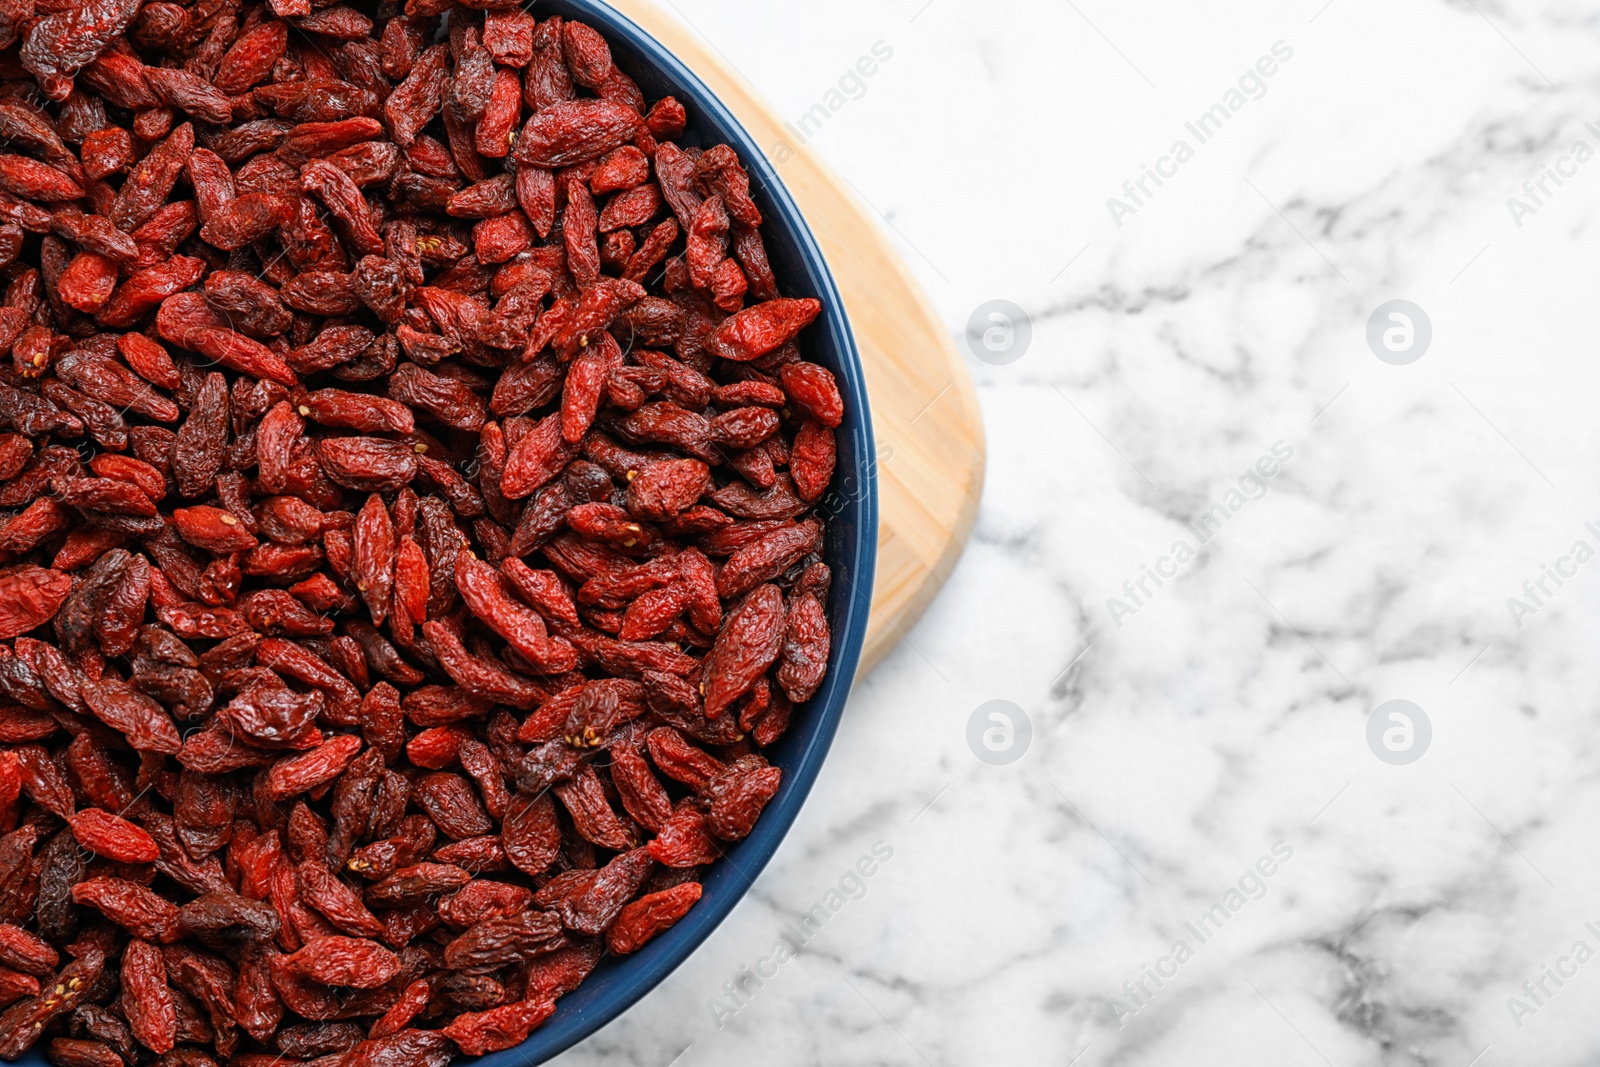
924,412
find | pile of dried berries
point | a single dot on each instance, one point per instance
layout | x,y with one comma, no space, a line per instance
406,519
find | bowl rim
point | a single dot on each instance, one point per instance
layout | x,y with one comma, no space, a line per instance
576,1018
646,969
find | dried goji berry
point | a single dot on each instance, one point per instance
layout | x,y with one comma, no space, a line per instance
146,997
750,640
650,915
442,492
498,1028
116,838
344,961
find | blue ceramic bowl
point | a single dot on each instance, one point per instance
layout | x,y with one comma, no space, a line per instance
852,504
852,507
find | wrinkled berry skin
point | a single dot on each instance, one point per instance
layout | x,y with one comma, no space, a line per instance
412,525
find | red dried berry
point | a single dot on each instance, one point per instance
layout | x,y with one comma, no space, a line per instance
650,915
116,838
397,594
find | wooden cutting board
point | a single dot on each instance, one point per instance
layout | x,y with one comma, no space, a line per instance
924,412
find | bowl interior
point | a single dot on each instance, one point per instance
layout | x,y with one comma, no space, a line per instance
851,506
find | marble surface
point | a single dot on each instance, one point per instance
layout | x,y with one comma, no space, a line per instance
1198,798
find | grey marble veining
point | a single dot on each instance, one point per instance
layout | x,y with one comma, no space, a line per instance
1199,858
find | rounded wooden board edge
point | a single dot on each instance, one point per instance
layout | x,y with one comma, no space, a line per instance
924,409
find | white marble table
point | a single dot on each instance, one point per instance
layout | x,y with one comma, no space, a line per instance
1198,800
